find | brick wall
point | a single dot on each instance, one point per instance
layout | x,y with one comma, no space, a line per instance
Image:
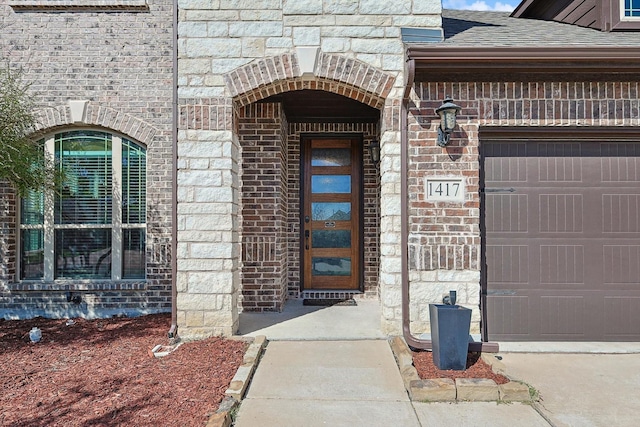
119,59
7,234
444,242
270,172
264,207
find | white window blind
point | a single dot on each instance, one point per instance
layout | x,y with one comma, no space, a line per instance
94,226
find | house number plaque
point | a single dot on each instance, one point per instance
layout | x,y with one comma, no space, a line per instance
444,189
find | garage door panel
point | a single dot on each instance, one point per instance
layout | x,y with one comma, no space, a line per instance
511,265
621,264
620,162
622,317
507,162
561,265
561,225
559,163
560,213
621,213
509,213
562,317
509,316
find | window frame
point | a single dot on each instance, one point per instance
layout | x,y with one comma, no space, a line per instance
620,22
623,16
117,227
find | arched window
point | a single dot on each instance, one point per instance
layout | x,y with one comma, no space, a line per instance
94,226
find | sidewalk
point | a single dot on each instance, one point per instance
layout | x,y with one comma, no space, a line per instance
353,383
327,383
332,367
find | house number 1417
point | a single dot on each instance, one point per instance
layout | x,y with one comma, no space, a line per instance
445,189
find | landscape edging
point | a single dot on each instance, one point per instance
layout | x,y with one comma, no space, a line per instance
443,389
238,386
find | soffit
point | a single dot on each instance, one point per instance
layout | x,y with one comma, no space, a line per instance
320,106
585,13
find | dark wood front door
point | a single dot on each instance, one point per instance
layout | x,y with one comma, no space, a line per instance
331,212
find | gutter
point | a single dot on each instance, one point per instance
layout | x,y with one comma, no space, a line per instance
173,330
446,59
412,341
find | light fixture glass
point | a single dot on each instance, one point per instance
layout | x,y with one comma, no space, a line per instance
374,152
447,112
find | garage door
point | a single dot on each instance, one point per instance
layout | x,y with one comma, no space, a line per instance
561,228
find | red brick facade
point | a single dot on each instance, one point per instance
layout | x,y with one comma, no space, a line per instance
446,236
270,174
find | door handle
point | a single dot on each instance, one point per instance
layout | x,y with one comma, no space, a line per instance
306,239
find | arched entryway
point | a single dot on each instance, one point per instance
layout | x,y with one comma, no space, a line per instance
295,132
240,160
309,199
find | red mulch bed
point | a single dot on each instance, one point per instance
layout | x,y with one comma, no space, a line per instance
476,368
101,373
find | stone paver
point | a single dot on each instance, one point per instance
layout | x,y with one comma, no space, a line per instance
514,392
433,390
476,389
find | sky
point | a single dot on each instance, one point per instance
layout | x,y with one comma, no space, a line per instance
499,6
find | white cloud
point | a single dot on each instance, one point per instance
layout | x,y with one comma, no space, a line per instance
480,5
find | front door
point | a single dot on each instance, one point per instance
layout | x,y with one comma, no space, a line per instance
331,212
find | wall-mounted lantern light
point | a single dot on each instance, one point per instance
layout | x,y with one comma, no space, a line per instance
447,112
374,152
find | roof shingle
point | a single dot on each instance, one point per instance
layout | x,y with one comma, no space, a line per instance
496,29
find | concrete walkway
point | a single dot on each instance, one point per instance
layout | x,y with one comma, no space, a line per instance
308,379
353,383
327,383
582,389
303,322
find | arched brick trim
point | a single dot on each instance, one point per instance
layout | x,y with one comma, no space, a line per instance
333,73
355,73
95,115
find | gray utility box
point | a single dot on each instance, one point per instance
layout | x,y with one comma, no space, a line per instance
450,335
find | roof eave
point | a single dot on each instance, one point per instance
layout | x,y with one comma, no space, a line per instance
539,59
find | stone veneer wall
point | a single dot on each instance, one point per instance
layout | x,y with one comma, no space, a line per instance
233,53
117,56
444,240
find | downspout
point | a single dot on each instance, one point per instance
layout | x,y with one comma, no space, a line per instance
410,72
173,330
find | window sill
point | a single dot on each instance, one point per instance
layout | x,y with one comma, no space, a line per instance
87,5
80,285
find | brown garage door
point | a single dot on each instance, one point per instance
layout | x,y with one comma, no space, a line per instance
561,224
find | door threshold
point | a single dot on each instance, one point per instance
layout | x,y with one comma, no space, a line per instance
324,302
328,295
